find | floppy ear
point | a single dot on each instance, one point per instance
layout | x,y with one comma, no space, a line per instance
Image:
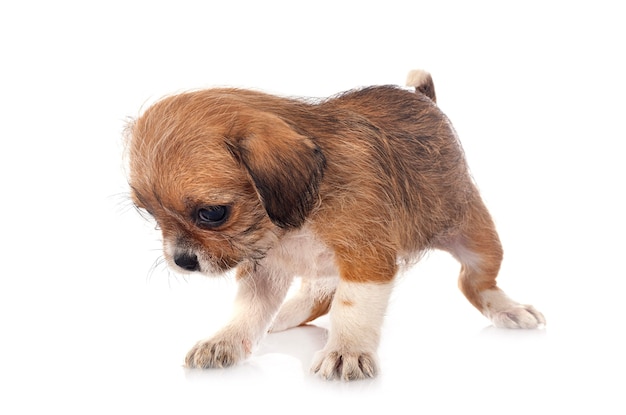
286,167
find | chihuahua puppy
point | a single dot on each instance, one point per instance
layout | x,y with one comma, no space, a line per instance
341,192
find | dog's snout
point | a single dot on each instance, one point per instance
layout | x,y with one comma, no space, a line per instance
188,262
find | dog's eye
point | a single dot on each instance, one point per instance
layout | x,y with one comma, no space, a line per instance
211,216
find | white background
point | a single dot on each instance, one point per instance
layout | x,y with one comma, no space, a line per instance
536,91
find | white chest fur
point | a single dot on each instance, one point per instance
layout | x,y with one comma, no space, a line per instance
302,254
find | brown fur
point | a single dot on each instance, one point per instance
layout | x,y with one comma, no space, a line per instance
378,173
321,306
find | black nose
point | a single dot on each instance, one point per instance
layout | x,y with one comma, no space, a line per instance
188,262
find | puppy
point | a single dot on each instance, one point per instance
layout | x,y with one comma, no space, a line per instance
341,192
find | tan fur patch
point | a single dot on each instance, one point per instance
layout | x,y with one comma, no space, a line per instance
320,307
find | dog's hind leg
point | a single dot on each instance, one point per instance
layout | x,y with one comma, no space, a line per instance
313,300
477,247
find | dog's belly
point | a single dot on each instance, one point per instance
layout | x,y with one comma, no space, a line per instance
300,253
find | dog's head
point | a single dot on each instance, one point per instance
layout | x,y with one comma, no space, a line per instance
222,177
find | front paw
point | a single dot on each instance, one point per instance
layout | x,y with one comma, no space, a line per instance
345,365
217,353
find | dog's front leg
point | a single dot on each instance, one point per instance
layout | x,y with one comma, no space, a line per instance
260,294
356,318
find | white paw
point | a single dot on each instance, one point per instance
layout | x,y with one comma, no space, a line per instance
286,320
345,365
506,313
217,353
518,317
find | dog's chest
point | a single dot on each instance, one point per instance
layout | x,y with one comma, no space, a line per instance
302,254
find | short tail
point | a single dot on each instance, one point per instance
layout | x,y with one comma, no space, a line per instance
423,82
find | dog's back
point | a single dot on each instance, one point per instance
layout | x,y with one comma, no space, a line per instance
401,149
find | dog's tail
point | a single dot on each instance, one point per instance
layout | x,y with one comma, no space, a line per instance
423,82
